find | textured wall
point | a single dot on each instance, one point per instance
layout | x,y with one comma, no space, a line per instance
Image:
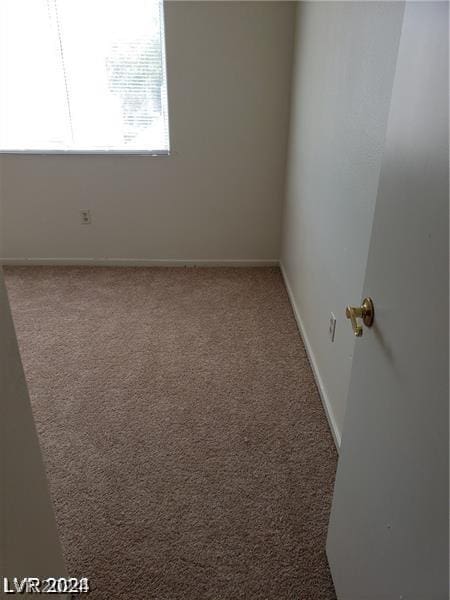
344,67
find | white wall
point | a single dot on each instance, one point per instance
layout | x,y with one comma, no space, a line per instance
218,197
343,74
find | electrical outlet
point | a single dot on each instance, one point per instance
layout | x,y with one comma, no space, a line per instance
85,217
332,327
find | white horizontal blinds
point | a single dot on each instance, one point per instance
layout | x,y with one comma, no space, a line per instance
32,98
104,76
113,62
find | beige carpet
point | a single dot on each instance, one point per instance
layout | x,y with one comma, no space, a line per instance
187,450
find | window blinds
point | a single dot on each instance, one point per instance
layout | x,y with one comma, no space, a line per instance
83,76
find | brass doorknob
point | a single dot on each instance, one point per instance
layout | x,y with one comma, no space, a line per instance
365,312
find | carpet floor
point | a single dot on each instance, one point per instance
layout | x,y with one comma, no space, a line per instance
186,447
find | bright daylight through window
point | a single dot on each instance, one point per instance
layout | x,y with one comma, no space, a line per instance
83,76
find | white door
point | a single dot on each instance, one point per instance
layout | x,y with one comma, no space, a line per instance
388,533
29,543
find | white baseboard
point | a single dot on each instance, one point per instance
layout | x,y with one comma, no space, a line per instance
139,262
315,369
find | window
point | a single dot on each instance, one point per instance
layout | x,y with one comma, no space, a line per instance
83,76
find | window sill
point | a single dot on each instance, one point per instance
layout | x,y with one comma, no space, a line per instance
148,153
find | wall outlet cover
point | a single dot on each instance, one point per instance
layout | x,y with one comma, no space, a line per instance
85,217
